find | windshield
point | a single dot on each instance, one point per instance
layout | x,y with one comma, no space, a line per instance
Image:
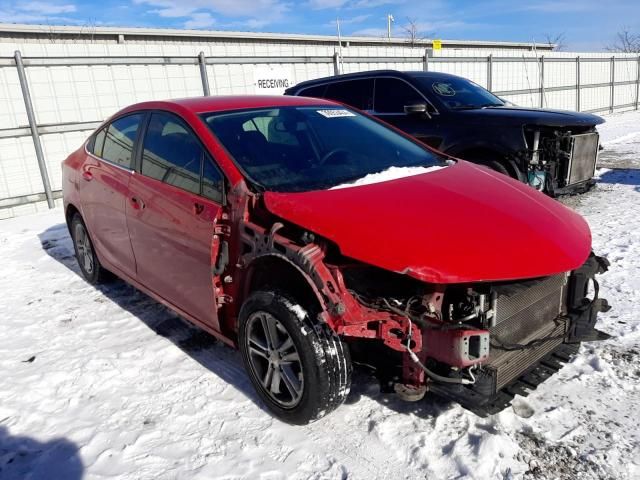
294,149
460,93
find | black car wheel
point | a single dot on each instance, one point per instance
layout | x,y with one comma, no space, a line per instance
90,266
300,368
495,162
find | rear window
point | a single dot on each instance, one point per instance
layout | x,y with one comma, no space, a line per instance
357,93
317,92
119,139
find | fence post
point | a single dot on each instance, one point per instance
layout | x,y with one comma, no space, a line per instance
578,83
638,84
541,81
202,63
613,80
425,66
336,63
24,85
490,72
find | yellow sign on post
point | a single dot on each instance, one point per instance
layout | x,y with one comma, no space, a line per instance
437,44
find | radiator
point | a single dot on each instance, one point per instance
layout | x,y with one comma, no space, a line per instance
527,313
582,157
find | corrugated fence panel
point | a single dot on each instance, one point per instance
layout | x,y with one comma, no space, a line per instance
523,75
19,173
12,111
524,100
90,93
595,98
476,71
563,100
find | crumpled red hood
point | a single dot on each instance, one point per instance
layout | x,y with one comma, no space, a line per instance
459,224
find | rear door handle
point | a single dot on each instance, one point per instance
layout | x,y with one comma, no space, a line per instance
136,203
198,208
87,175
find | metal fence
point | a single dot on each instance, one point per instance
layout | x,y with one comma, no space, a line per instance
583,83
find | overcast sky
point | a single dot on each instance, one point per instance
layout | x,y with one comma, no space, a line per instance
586,24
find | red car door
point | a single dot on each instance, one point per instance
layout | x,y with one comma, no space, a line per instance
104,190
173,207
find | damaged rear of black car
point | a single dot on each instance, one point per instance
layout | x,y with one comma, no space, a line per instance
553,151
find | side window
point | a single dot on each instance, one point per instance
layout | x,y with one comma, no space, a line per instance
317,92
212,181
393,94
119,139
357,93
171,153
258,124
96,145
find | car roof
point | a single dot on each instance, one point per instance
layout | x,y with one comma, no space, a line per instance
231,102
374,73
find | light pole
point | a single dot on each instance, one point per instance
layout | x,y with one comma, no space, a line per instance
390,20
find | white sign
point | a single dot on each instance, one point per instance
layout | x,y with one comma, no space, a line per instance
272,80
334,113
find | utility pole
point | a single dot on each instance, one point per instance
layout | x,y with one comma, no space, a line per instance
339,53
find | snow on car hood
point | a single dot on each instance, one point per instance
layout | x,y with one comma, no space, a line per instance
391,173
463,223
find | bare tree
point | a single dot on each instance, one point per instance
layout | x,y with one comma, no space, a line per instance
626,42
412,32
557,42
53,37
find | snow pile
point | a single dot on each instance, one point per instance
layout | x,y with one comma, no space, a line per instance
619,128
391,173
620,138
105,383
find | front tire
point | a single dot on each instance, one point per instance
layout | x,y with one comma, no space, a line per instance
92,271
299,367
497,163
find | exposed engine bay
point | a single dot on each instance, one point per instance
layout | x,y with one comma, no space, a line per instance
560,160
479,340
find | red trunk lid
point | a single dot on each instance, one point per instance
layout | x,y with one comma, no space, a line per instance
459,224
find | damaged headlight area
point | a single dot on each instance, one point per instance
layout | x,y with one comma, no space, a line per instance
478,344
560,160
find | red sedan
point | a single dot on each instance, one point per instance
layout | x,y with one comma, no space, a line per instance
309,234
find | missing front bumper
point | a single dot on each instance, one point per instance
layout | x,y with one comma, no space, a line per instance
542,353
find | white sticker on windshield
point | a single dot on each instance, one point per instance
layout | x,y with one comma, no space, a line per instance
335,113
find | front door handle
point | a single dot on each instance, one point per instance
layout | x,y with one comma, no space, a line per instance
136,203
87,175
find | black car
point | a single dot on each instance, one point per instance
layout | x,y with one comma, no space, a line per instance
551,150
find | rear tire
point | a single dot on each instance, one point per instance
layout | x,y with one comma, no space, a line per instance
92,271
299,367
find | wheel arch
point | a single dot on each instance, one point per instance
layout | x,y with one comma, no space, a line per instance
70,211
276,271
481,153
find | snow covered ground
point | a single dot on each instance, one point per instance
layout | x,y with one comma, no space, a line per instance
620,137
105,383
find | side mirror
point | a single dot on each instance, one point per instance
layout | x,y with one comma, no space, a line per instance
417,109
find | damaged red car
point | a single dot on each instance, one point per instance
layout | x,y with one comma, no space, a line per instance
312,236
